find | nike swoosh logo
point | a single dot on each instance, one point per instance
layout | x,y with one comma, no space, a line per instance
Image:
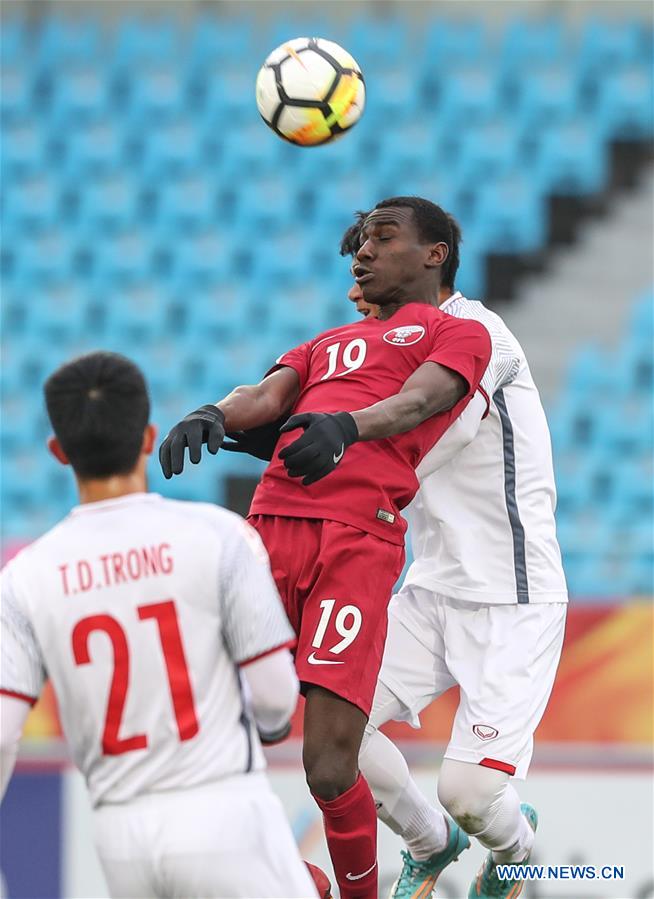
359,876
312,660
337,458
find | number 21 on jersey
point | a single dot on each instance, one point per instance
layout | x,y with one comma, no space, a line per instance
165,616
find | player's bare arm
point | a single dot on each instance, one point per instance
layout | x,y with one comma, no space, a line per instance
432,388
246,407
251,406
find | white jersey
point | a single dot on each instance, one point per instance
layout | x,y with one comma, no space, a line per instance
482,524
139,610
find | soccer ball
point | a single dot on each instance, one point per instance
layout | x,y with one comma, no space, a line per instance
310,91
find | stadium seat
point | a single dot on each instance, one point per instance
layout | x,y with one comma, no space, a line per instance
77,93
170,149
108,203
154,93
23,150
14,41
187,203
123,257
571,161
510,214
625,104
99,146
77,39
544,96
532,41
150,39
17,92
31,203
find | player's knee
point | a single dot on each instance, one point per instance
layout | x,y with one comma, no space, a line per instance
330,772
470,794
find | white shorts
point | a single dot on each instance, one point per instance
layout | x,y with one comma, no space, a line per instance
224,839
503,657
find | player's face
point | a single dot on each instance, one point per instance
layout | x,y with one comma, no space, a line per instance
355,295
392,261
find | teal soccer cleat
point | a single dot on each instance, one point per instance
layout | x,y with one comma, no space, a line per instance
487,884
418,879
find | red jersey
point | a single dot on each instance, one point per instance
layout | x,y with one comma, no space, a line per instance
355,366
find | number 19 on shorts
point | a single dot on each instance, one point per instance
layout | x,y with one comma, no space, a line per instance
347,624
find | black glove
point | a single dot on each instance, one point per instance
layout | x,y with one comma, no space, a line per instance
322,446
258,442
277,736
205,425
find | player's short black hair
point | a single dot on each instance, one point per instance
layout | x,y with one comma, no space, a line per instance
350,241
99,406
432,221
451,264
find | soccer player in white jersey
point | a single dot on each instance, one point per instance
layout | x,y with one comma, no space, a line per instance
482,606
153,618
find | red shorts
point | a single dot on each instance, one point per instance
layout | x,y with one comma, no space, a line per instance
336,582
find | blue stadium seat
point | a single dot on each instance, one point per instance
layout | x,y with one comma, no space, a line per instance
92,148
45,256
199,257
511,215
625,104
467,96
23,149
135,313
463,42
149,39
171,148
73,38
14,41
571,161
124,257
544,96
218,37
58,313
607,45
224,95
372,39
31,203
532,41
217,312
108,202
188,203
154,93
78,93
486,152
17,92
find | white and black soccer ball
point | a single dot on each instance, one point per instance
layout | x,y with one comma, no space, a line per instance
310,91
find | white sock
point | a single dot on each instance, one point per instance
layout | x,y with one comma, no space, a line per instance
519,850
400,804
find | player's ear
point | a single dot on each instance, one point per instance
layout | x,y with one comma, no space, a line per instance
149,439
438,253
57,451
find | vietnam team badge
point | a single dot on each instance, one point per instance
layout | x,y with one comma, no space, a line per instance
406,335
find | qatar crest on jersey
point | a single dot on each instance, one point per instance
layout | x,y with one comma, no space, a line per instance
405,335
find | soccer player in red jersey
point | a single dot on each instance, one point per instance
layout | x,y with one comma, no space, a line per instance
372,398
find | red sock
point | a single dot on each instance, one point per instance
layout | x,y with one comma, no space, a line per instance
351,831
